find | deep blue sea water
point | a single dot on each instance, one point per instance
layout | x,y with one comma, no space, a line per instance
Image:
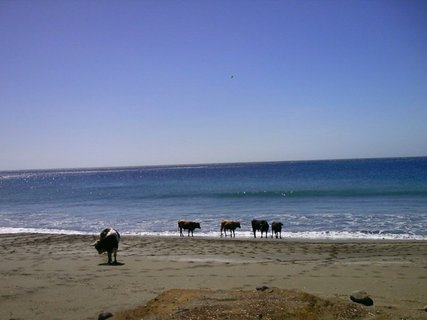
371,198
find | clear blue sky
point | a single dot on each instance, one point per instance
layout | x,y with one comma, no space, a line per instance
120,83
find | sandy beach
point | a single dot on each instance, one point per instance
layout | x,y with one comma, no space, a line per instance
63,277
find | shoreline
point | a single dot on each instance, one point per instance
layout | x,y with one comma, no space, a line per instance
60,276
244,234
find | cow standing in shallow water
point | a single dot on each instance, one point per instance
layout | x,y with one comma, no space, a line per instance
260,225
187,225
276,227
229,225
108,242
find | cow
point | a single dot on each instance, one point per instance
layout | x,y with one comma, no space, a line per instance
108,242
187,225
276,227
229,225
260,225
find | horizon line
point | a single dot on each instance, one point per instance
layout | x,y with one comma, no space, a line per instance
207,164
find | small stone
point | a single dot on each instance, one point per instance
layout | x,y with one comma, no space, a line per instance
262,288
361,297
104,315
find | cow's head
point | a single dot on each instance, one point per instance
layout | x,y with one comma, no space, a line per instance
197,225
99,247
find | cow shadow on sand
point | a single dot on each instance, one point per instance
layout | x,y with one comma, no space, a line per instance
115,264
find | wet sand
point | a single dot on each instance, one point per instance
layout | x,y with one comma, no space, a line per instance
63,277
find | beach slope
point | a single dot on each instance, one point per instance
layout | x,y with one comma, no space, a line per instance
62,276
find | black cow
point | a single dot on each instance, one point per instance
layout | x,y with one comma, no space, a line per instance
187,225
108,242
260,225
229,225
276,227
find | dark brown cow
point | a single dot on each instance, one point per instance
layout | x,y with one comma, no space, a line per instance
108,242
260,225
276,227
229,225
187,225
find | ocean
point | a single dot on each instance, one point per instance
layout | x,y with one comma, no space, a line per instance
333,199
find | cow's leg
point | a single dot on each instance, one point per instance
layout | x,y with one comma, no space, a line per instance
109,257
115,255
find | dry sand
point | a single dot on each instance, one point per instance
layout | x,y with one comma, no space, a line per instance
63,277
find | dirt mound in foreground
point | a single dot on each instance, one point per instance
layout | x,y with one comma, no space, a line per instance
239,305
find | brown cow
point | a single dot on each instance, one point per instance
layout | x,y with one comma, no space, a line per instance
260,225
187,225
276,227
229,225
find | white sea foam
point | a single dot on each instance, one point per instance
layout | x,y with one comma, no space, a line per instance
41,231
309,235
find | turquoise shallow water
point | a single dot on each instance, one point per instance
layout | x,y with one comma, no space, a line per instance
373,199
